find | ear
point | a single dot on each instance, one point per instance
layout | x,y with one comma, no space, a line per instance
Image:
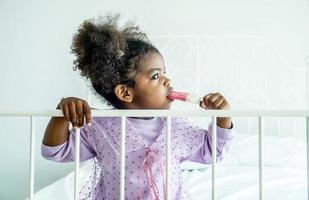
124,93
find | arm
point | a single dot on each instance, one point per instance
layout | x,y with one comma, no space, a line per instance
203,153
58,141
225,131
57,132
217,102
74,111
66,152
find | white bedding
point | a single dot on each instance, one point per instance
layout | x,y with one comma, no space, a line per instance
241,183
237,175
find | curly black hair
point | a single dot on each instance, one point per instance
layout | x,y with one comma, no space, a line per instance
109,55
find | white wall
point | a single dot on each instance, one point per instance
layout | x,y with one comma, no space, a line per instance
252,52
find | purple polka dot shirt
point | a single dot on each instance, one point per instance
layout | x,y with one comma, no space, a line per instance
101,142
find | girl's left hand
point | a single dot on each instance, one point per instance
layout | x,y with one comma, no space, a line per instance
215,101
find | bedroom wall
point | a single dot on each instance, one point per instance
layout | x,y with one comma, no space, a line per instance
254,53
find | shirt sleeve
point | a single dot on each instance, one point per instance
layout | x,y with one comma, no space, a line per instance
65,152
203,153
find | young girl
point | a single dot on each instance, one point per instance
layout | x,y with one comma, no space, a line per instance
129,73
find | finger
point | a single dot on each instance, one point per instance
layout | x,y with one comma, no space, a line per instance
214,97
210,98
73,115
219,101
224,106
87,112
65,111
205,99
80,113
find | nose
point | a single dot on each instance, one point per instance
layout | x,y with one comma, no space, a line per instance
167,82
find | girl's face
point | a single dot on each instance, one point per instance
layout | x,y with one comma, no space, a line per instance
151,84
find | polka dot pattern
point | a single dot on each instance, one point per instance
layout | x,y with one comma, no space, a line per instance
101,141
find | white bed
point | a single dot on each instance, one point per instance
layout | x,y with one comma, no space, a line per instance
237,175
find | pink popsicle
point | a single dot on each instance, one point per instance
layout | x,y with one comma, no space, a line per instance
183,96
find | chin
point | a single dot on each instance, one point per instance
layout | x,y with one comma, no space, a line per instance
165,105
168,106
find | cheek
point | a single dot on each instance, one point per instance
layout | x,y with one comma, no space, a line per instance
154,90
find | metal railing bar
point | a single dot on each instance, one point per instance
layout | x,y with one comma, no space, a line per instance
122,158
32,158
214,155
261,158
168,156
77,154
164,113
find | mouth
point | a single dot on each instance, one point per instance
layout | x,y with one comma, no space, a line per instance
168,93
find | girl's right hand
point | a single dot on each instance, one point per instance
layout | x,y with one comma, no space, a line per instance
75,110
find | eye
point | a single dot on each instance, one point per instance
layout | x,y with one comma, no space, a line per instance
156,76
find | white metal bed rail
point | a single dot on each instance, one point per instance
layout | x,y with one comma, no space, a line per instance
168,114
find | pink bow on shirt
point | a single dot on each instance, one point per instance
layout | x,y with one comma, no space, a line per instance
151,157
